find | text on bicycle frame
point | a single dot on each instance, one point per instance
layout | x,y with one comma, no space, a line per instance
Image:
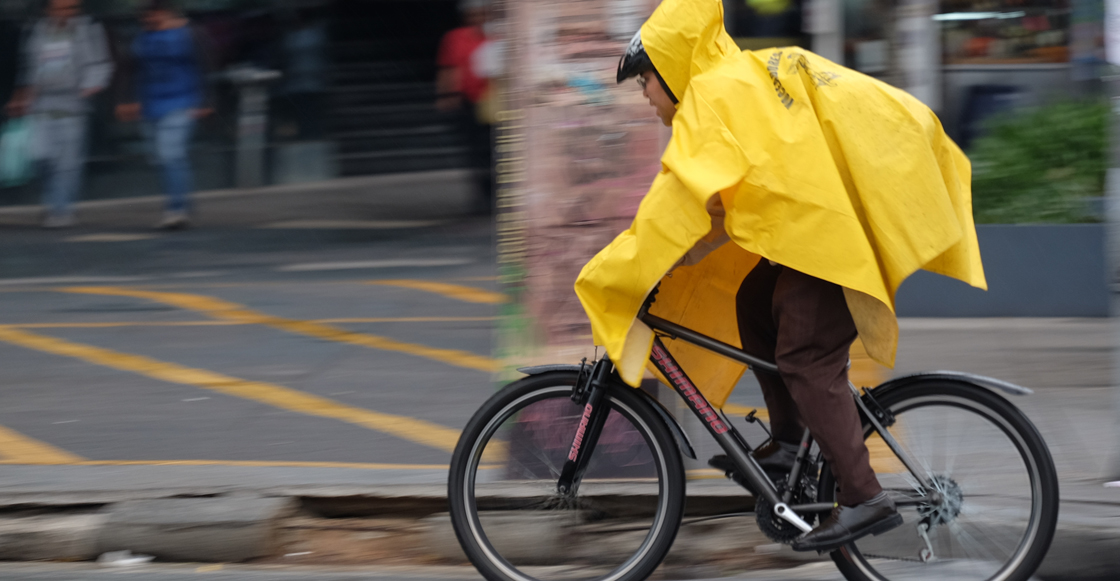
580,432
681,382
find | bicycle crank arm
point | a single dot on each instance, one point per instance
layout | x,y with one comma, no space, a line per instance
786,513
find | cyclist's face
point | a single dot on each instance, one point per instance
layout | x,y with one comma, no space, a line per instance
658,98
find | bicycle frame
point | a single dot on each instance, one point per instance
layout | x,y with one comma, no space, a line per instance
590,393
728,439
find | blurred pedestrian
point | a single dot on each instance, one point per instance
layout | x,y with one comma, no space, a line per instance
305,56
64,61
164,83
460,90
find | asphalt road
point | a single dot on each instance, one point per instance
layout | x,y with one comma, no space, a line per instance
245,345
344,344
362,345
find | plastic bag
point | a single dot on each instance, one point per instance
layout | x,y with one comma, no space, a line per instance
16,165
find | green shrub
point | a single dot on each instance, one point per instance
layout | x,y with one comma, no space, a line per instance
1042,165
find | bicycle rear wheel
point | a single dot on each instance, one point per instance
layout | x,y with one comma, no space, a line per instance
995,476
512,522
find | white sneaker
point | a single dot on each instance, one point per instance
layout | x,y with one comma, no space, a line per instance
1114,484
173,220
64,220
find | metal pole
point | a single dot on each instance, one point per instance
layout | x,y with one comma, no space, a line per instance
1112,249
252,123
825,22
1112,208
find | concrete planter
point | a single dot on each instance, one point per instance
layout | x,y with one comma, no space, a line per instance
1051,270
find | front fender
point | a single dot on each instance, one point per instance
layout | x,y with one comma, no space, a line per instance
978,380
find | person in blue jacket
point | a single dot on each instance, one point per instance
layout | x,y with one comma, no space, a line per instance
165,83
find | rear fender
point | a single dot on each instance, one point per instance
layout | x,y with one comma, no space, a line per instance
956,376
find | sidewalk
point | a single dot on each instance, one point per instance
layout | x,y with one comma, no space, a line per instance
443,194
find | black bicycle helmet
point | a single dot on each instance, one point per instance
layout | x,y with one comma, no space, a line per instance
635,61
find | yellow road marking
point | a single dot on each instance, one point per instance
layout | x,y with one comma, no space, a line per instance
108,325
406,428
704,474
469,294
16,448
228,311
209,568
111,324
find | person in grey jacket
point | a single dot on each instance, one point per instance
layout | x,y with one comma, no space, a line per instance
65,60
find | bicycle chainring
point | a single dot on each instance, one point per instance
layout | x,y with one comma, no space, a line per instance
772,525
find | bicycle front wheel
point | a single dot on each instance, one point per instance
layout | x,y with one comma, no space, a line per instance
996,503
512,522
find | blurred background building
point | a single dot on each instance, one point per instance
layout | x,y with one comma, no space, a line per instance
354,95
967,59
356,92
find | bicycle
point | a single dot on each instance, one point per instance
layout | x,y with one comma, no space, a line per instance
569,473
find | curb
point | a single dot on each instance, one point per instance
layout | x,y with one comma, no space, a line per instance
239,527
230,529
66,536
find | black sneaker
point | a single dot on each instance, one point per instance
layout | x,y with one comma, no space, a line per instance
776,459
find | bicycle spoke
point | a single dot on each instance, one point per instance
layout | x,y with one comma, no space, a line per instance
984,501
990,535
972,541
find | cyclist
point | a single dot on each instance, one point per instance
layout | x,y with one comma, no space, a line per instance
841,184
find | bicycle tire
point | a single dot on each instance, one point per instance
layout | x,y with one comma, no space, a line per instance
477,518
859,561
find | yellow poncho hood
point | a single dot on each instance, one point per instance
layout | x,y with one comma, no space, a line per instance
820,168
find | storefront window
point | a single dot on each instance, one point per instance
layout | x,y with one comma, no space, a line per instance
757,24
1005,31
866,29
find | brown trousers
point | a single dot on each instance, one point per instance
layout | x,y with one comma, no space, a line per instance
802,323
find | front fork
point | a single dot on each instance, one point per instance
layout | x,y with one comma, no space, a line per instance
591,392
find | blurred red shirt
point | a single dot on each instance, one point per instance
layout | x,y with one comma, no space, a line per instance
455,52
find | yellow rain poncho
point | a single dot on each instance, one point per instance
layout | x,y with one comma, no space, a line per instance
819,168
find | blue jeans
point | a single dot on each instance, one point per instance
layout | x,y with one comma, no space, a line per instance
62,148
169,138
